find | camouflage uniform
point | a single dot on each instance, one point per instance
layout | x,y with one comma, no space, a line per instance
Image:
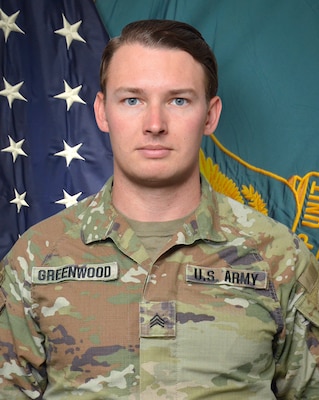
228,310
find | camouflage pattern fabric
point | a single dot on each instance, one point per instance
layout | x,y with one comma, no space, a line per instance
228,310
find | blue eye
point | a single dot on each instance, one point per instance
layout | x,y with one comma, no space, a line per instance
179,101
132,101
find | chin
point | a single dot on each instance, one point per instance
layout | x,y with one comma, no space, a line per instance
161,181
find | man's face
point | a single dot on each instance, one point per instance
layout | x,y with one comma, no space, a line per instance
156,113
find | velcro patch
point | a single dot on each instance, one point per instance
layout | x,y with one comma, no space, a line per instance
82,272
227,276
158,319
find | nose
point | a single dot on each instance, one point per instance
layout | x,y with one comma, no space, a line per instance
155,122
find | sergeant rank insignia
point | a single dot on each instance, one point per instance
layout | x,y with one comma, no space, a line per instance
158,319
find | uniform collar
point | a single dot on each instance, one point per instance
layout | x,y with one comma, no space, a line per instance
100,218
204,222
101,221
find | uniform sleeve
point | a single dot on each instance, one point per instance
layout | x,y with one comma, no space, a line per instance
298,364
22,357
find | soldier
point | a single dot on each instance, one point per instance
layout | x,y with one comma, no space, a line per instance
157,287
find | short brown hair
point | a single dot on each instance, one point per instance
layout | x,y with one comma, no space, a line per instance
168,34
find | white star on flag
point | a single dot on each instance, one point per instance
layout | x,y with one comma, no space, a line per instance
69,200
8,25
70,153
39,60
19,200
70,31
70,95
15,148
12,92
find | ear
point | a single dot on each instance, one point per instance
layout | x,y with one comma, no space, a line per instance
213,114
99,110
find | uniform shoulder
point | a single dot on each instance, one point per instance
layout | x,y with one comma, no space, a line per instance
281,248
41,237
233,211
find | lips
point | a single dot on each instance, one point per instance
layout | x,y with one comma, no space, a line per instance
154,151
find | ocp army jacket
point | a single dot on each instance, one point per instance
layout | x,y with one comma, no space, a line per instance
229,309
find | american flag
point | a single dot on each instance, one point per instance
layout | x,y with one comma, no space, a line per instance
51,152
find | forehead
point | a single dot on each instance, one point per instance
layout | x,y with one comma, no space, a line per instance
135,61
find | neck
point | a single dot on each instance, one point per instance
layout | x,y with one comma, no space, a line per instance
149,204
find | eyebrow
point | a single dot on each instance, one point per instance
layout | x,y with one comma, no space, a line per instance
172,92
128,90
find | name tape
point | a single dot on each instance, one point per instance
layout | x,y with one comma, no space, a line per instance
227,276
82,272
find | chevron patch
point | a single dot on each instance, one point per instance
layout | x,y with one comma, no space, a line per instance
158,319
